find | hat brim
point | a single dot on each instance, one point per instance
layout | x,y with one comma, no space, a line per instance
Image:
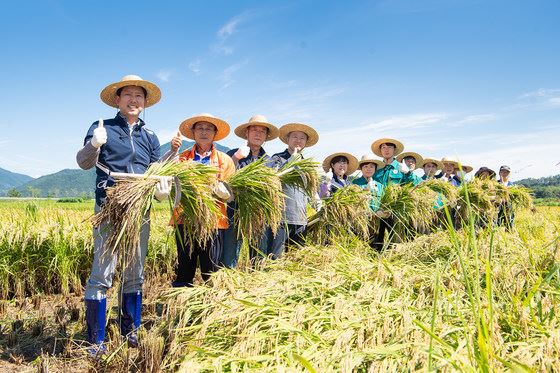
467,169
222,128
352,162
416,156
375,147
241,131
438,164
109,93
286,129
378,164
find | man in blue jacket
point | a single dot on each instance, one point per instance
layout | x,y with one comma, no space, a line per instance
120,144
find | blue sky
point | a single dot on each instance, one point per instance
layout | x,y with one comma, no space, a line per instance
475,79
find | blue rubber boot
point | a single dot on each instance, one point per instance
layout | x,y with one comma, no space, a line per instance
131,310
95,320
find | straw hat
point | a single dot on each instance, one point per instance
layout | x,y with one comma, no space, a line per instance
375,147
352,162
466,168
449,159
257,120
312,135
491,173
222,127
434,161
109,94
368,158
416,156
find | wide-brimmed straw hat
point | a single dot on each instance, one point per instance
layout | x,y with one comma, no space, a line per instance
376,146
449,159
466,169
368,158
485,169
416,156
352,162
312,135
257,120
109,94
438,164
222,128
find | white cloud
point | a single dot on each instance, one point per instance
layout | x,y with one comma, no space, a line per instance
227,75
164,75
477,118
225,33
194,66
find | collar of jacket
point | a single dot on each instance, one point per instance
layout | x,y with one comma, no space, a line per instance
121,119
262,153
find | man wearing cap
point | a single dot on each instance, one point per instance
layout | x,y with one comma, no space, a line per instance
338,167
449,167
430,167
120,144
294,218
256,131
204,129
505,212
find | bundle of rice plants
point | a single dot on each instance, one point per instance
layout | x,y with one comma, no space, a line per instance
198,209
446,191
345,211
301,173
258,198
129,200
410,208
520,197
479,197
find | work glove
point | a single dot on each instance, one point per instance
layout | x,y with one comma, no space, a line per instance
328,177
163,188
371,185
403,168
99,135
242,152
222,192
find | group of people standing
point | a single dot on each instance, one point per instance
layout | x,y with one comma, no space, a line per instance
123,144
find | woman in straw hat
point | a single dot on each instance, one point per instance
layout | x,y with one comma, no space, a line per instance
337,166
392,172
413,161
204,129
448,171
430,166
120,144
368,165
297,136
256,131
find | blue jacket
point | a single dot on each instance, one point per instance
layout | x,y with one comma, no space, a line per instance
125,151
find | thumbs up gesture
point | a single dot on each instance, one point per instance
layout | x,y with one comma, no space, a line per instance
176,142
99,135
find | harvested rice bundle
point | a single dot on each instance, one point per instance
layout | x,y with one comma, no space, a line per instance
259,200
410,208
125,209
345,211
302,173
482,197
520,197
445,190
198,209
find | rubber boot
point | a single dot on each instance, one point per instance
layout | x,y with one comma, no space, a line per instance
96,317
131,309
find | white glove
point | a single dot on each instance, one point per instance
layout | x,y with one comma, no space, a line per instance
163,188
371,185
242,152
383,214
403,168
99,135
329,176
221,191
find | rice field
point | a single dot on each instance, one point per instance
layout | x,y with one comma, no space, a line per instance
471,300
